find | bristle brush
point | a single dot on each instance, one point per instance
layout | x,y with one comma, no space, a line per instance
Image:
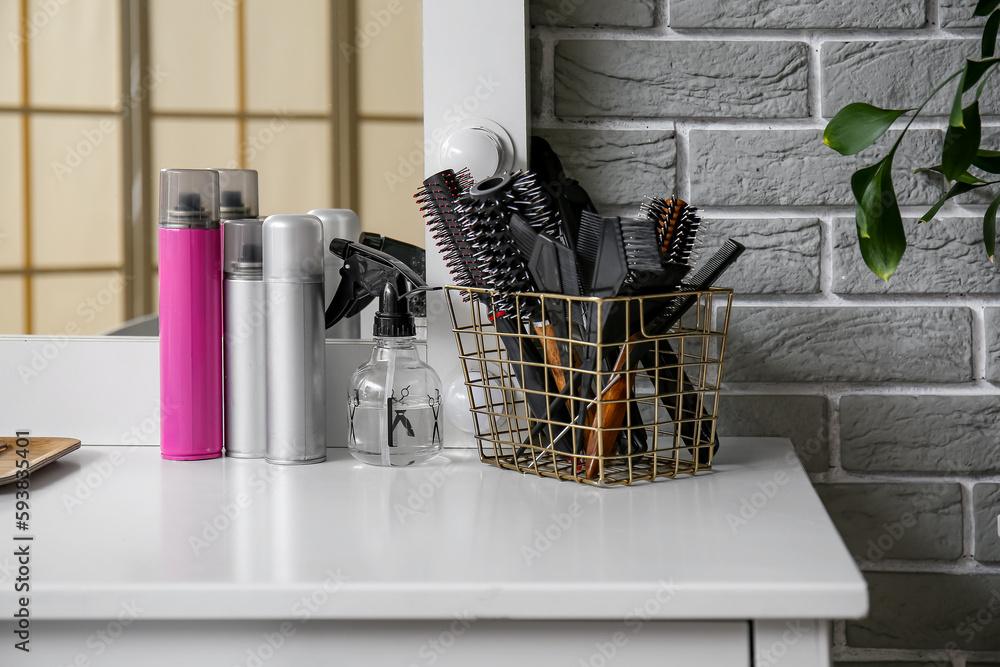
494,208
437,198
482,215
619,386
677,225
439,201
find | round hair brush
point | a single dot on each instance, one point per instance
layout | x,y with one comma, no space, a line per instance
437,199
677,225
486,214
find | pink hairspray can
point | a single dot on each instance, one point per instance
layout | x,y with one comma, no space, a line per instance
190,252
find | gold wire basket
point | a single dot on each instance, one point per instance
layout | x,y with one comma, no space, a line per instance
586,389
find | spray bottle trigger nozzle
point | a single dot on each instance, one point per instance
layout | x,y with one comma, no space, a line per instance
418,289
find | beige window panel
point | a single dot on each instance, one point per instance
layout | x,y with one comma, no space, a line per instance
102,95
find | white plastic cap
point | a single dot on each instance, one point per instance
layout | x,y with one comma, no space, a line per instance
238,194
189,198
293,249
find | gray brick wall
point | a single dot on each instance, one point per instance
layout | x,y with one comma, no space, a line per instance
889,393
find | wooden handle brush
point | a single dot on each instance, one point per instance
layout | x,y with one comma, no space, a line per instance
614,405
622,383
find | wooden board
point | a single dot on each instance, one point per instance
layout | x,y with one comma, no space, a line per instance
41,452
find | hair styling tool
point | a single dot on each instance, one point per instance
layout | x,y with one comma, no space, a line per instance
647,274
568,196
603,263
678,225
486,215
552,266
190,252
617,254
438,198
623,380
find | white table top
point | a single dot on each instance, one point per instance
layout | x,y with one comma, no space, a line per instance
116,525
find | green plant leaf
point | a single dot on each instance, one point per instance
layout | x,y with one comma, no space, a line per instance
857,126
955,119
974,71
956,190
961,144
962,178
990,35
988,161
985,7
971,74
880,225
861,181
990,228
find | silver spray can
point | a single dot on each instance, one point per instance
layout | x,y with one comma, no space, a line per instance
338,223
295,322
243,339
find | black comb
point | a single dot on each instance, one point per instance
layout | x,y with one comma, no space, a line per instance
648,273
599,249
670,375
540,254
667,317
706,275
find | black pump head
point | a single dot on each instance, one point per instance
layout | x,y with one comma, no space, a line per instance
393,318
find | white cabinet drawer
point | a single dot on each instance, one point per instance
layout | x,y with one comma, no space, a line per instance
454,643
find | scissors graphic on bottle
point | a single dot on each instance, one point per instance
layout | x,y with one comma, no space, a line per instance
400,415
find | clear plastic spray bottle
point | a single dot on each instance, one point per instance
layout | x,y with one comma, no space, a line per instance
394,401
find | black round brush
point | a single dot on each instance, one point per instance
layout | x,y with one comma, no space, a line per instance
437,199
485,214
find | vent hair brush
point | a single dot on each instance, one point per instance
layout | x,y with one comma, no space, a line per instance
436,199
